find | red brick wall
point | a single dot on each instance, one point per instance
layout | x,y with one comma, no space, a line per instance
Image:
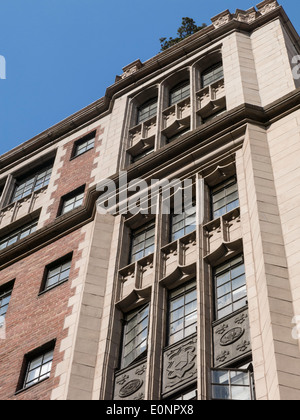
74,172
33,320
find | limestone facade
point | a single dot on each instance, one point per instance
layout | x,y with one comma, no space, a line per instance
154,309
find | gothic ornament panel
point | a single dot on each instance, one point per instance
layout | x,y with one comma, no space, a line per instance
231,338
130,383
180,365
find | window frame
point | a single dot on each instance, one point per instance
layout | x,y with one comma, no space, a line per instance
18,233
190,287
6,291
231,386
54,265
230,283
70,196
150,114
133,314
209,70
217,189
179,88
185,216
80,142
138,232
28,359
32,175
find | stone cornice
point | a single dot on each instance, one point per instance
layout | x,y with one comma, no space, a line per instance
240,21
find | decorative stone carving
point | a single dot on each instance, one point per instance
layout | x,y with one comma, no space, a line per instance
223,356
130,388
231,338
267,6
130,383
222,19
131,68
180,365
247,16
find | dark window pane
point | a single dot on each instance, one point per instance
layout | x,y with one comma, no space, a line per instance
135,335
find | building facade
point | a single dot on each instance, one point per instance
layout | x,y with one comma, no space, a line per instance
154,305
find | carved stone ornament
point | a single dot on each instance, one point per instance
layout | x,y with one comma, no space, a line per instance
241,319
223,356
221,19
222,329
180,365
131,69
244,346
267,7
231,336
140,370
130,388
130,383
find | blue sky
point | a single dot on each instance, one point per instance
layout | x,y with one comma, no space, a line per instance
61,55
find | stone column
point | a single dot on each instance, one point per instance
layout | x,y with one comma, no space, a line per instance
275,353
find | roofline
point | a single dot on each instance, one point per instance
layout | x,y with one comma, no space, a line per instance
103,106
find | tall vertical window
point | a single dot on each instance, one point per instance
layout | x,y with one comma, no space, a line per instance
27,185
230,286
179,92
182,312
135,336
183,224
224,197
142,242
147,111
5,295
232,385
212,74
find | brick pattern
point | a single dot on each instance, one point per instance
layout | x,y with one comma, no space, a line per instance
32,319
71,173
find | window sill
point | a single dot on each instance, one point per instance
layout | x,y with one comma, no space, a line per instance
43,292
22,390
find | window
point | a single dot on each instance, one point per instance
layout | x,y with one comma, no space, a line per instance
182,312
142,242
142,155
38,368
225,197
232,385
18,234
72,201
135,336
26,186
147,111
5,295
84,145
179,92
182,224
211,75
231,290
187,396
57,273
